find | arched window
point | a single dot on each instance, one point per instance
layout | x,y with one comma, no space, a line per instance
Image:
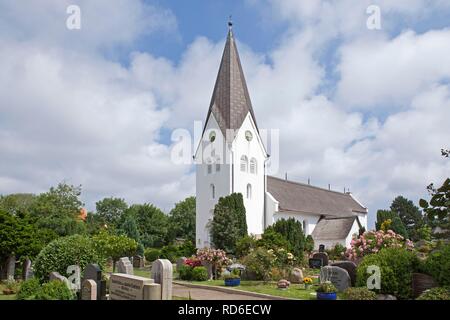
249,191
253,166
244,164
213,192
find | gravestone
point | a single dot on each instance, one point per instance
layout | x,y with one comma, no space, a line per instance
138,262
26,270
56,276
162,274
209,269
283,284
422,282
93,272
180,262
296,275
10,267
152,291
127,287
315,263
124,266
89,290
321,248
338,276
350,266
323,256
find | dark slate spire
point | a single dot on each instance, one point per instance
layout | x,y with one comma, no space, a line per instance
230,101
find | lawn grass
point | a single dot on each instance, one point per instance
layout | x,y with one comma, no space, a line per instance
4,296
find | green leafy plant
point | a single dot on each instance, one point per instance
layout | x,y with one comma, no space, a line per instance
396,268
185,272
199,274
360,293
63,252
260,262
439,293
29,289
152,254
438,265
326,287
337,252
54,290
113,246
170,252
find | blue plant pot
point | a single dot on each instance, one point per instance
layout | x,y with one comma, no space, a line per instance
326,296
232,282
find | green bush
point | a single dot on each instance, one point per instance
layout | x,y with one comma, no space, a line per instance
337,252
437,265
199,274
326,287
245,245
396,267
187,249
185,272
360,293
29,289
260,263
152,254
309,243
54,290
170,252
292,231
439,293
64,252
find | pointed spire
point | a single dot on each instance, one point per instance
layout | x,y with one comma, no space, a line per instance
230,102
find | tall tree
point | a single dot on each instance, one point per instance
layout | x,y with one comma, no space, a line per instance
292,231
229,222
17,203
151,222
409,214
111,210
395,224
182,220
59,210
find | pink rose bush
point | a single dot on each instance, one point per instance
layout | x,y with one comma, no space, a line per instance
373,241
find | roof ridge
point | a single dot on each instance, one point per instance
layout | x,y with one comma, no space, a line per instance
308,185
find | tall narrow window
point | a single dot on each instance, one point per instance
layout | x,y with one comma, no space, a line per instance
213,192
249,191
253,166
218,165
244,164
209,168
305,226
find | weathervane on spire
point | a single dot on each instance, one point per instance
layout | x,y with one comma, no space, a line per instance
230,22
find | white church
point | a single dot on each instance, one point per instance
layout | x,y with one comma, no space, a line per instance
231,157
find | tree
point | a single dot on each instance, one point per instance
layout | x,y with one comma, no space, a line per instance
59,210
94,223
17,203
113,246
129,228
292,231
394,222
182,220
229,222
111,210
151,222
409,214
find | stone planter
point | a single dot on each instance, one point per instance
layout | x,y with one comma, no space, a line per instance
232,282
326,296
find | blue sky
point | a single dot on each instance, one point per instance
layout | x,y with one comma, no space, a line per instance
356,108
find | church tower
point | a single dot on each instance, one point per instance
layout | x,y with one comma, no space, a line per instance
231,156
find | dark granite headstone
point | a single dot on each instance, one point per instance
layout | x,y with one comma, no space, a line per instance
315,263
93,272
323,256
138,262
350,266
321,248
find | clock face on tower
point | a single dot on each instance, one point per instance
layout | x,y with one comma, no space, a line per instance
248,135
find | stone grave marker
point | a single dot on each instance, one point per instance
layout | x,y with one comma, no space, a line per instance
296,275
10,267
152,291
162,274
321,248
323,256
26,270
124,266
89,290
127,287
209,269
138,262
338,276
315,263
93,272
180,262
350,266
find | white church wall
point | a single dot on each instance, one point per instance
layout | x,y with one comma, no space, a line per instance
310,220
251,149
328,243
271,209
354,230
221,181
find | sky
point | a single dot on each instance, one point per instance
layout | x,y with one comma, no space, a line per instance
365,109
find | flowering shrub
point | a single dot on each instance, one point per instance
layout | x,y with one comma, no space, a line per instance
282,258
193,262
373,241
216,257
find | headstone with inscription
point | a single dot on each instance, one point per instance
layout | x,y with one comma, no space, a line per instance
296,275
315,263
127,287
338,276
89,290
350,266
162,274
124,266
323,256
93,272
